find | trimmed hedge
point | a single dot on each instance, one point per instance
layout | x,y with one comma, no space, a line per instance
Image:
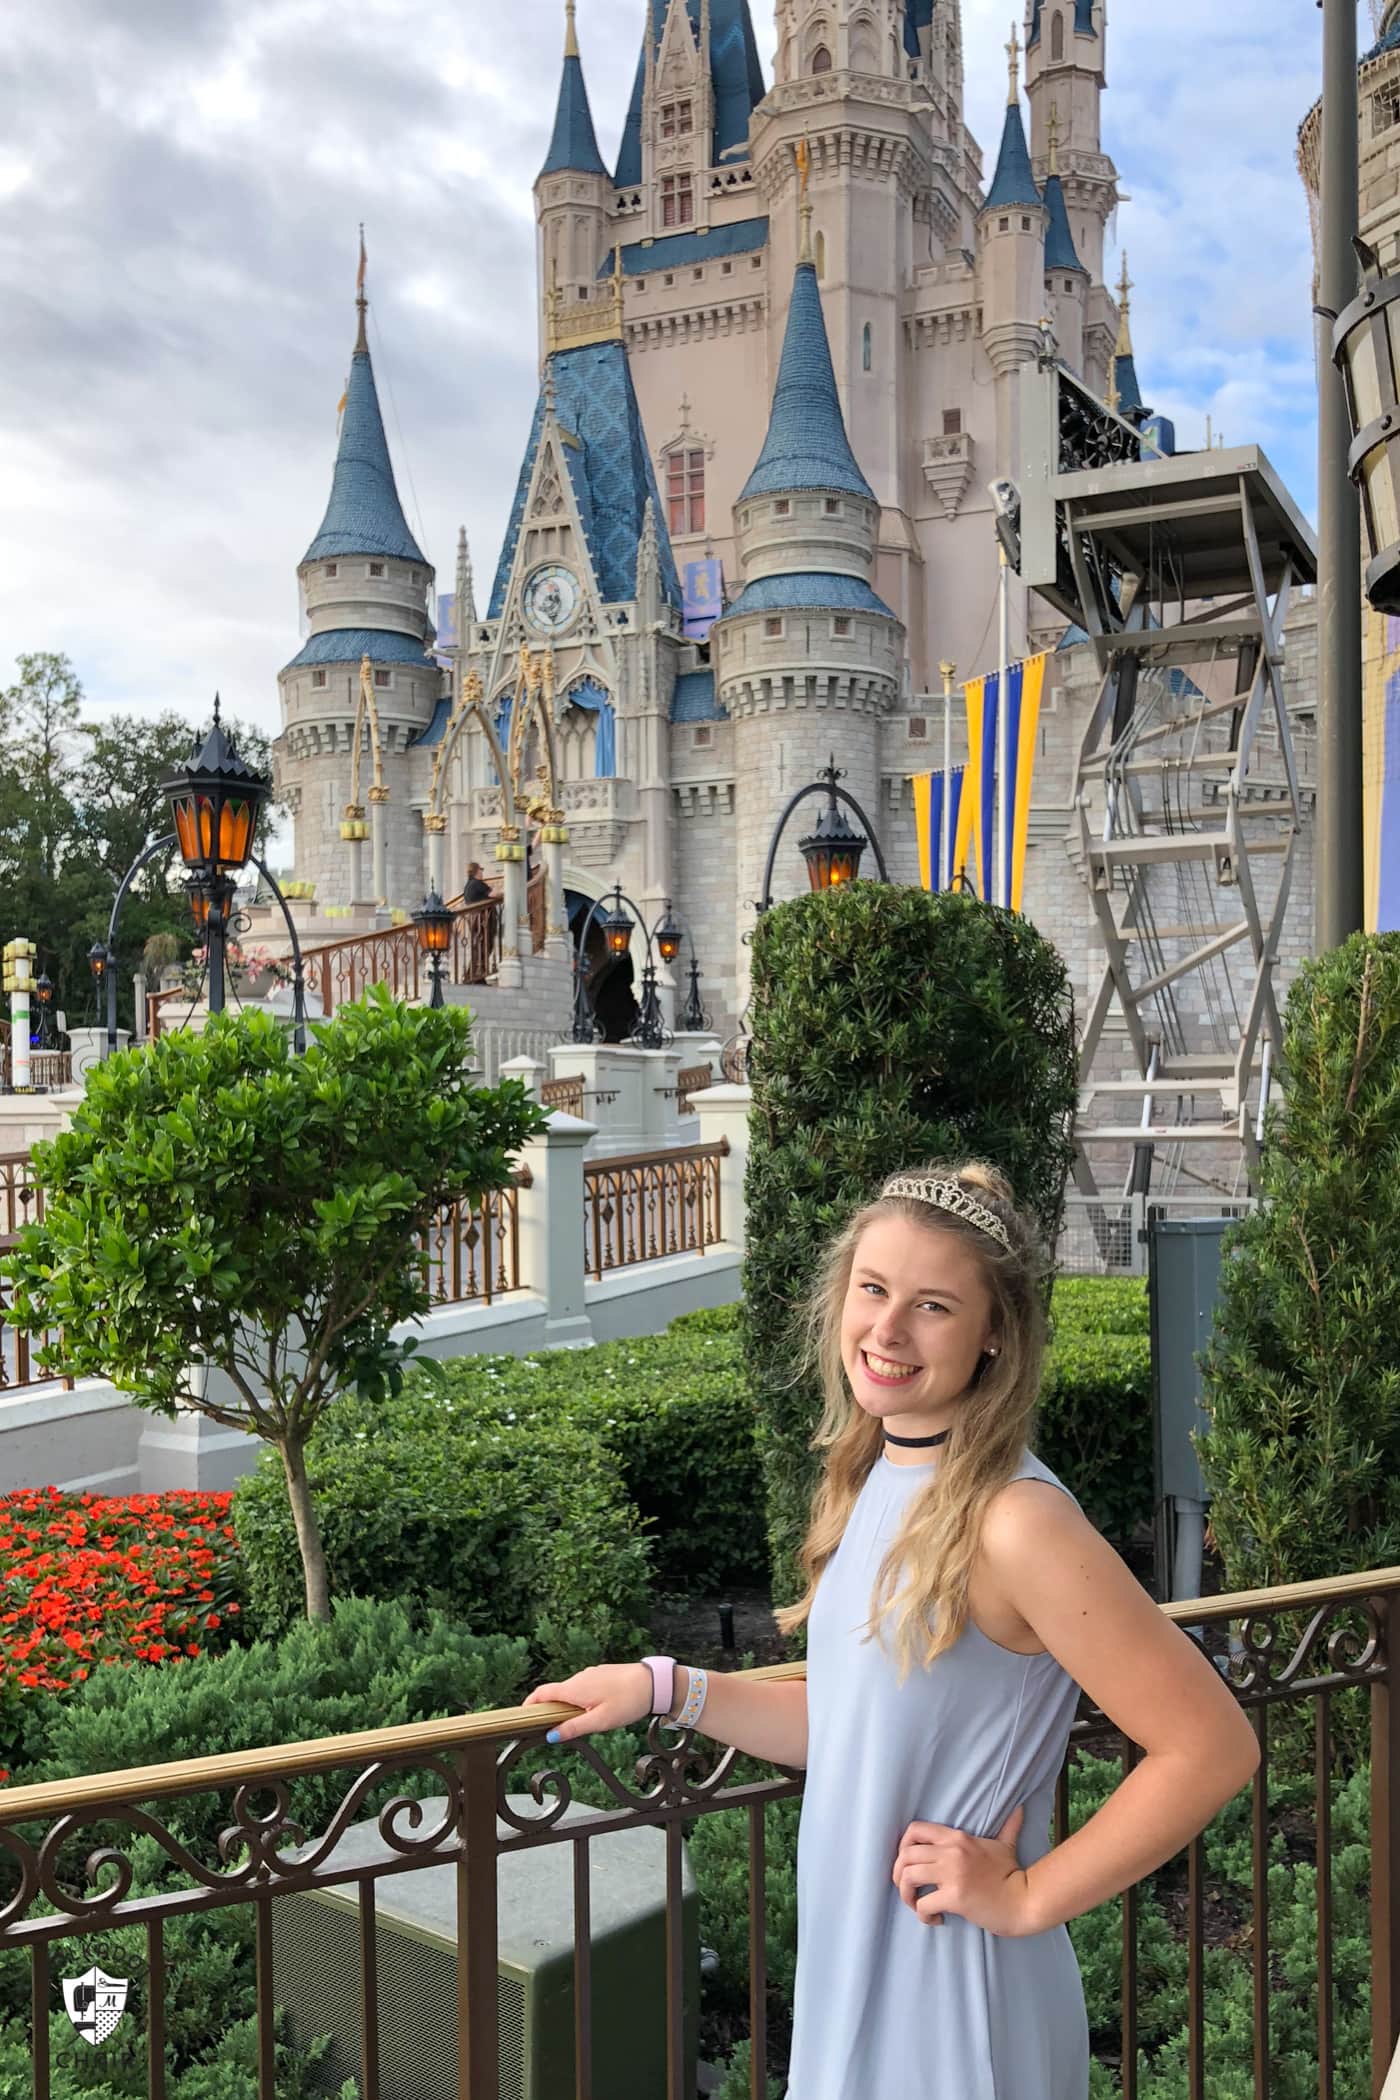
506,1530
1100,1305
1094,1426
670,1411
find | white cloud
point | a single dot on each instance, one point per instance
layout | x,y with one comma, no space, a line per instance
180,191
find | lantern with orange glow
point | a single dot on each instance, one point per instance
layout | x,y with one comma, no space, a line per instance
214,800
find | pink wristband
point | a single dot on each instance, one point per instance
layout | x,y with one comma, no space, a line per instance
663,1681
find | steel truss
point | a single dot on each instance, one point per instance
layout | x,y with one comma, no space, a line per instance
1186,792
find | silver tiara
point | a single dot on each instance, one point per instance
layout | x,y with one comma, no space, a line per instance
949,1196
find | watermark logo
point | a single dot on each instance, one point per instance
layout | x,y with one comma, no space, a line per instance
95,2003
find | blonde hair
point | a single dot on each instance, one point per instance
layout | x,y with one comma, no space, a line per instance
921,1590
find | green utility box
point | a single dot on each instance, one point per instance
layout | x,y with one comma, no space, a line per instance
316,1967
1183,1268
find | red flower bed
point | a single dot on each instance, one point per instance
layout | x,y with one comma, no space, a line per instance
92,1581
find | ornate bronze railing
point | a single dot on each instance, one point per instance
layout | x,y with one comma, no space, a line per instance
642,1206
21,1198
68,1869
339,971
474,1253
693,1080
564,1094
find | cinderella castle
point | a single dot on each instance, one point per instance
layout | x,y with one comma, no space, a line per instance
780,343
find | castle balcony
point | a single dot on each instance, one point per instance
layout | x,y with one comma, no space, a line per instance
949,464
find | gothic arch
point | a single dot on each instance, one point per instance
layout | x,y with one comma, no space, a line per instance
1057,38
821,59
865,46
819,254
816,46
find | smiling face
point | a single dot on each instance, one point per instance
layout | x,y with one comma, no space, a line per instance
917,1317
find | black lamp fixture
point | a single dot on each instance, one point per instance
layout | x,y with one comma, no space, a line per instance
832,851
43,999
215,798
1366,348
433,919
668,936
617,928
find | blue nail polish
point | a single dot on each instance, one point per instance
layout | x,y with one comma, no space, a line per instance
553,1736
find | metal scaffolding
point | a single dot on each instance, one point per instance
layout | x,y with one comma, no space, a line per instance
1186,795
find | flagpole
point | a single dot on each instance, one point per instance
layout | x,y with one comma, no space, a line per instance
945,829
1001,885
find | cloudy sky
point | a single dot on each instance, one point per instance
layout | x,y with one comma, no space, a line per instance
180,186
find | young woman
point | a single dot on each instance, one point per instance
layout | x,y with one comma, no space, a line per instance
957,1602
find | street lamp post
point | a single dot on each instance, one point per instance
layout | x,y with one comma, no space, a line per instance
214,800
1340,885
433,920
650,1031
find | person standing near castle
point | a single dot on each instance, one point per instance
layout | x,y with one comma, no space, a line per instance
957,1602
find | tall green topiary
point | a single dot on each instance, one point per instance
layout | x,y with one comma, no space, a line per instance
1303,1374
890,1027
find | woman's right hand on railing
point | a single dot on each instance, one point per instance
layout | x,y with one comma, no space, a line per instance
612,1695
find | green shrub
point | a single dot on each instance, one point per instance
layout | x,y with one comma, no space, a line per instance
671,1411
1303,1372
890,1027
709,1319
1094,1426
508,1531
1100,1305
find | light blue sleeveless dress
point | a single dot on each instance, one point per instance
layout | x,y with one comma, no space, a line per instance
887,2007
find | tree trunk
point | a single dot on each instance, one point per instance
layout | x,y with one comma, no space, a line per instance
313,1553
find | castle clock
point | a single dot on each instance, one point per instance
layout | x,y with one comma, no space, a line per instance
551,599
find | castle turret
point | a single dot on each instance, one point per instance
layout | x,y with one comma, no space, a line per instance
365,591
807,638
1065,72
1066,279
698,82
573,190
1011,231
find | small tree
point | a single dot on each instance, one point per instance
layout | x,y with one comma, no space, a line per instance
222,1203
890,1027
1303,1372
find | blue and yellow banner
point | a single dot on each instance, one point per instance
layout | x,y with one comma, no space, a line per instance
972,819
702,585
935,828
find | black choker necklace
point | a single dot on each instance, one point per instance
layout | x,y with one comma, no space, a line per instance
918,1443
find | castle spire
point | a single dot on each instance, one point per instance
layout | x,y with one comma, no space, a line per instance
803,157
364,515
1060,251
1013,182
736,80
1125,394
806,446
1013,60
574,145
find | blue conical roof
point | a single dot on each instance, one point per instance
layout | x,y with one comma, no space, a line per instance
1125,380
806,446
736,75
1060,251
364,515
574,144
1013,182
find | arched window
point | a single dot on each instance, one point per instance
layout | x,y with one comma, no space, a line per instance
821,59
821,255
1057,39
865,348
590,696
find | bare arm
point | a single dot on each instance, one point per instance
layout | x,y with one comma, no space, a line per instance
1151,1679
763,1713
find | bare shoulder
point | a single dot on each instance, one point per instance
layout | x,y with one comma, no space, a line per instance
1029,1515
